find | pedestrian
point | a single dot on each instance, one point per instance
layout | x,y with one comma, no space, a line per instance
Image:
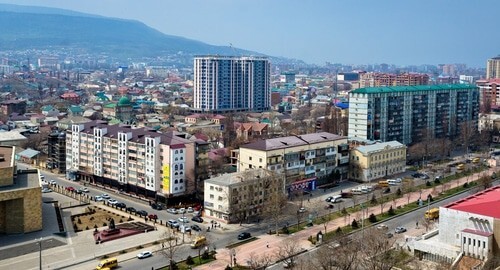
417,224
267,244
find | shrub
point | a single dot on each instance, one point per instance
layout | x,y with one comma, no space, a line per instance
372,218
189,260
105,257
429,197
466,185
139,247
391,211
228,267
79,221
399,192
436,181
354,224
105,224
91,218
205,256
339,230
95,226
285,230
86,228
123,251
428,183
373,201
344,211
121,220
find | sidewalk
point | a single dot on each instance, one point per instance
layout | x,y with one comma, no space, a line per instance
258,247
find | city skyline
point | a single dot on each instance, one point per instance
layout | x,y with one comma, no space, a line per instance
359,32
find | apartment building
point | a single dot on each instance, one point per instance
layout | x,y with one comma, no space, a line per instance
489,91
408,113
306,160
137,160
493,68
370,162
375,79
242,196
226,84
56,151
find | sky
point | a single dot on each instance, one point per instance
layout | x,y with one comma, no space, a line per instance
401,32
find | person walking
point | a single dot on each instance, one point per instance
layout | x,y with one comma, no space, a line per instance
267,244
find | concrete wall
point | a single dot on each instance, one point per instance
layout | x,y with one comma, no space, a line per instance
452,222
21,210
496,237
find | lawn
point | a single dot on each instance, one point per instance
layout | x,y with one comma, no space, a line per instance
95,217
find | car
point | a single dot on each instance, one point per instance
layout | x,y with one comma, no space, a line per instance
156,206
400,230
382,227
172,210
84,189
196,227
99,199
244,235
112,201
288,264
389,235
42,176
173,223
53,182
197,213
105,196
70,189
183,220
302,210
416,175
190,210
181,210
131,209
184,229
153,216
197,219
77,191
46,190
120,205
144,254
142,213
328,199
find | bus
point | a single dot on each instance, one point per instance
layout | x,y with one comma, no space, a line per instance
107,264
476,160
432,213
383,183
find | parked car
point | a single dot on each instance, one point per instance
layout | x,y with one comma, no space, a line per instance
53,182
99,199
302,210
70,189
389,235
197,219
105,196
131,209
144,254
184,229
84,189
46,190
112,201
173,223
190,210
244,235
142,213
172,210
400,230
196,227
121,205
183,220
181,210
153,216
382,227
328,199
77,191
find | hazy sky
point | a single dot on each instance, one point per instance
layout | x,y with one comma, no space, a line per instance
349,31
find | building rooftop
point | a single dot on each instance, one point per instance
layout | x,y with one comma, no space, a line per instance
291,141
366,149
12,135
237,177
23,179
6,156
486,203
395,89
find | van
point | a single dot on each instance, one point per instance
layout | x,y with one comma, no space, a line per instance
476,160
107,264
336,199
460,166
383,183
432,213
356,191
392,182
199,241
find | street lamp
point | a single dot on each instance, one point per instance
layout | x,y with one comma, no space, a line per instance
40,252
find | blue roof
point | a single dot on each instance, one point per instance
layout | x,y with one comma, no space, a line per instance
342,105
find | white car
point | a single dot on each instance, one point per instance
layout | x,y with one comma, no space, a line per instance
112,201
99,199
46,190
84,189
184,228
181,210
190,210
52,182
172,210
183,220
144,254
105,196
302,210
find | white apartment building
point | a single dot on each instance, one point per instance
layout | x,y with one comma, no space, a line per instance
135,160
241,196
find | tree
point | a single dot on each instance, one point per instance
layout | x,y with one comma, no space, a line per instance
408,189
287,251
35,141
341,254
275,201
259,262
169,246
382,202
485,181
376,250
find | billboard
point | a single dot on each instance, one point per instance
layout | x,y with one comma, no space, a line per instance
166,178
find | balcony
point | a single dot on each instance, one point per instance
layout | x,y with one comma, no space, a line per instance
343,161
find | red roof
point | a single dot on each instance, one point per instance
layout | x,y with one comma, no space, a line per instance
477,232
486,203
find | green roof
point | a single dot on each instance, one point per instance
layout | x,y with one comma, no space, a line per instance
75,109
394,89
110,105
124,101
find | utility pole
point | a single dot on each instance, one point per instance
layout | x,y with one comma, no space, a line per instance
40,255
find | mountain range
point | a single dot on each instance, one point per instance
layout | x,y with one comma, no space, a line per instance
29,27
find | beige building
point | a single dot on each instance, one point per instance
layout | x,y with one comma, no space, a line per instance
136,160
493,68
242,196
305,160
20,196
370,162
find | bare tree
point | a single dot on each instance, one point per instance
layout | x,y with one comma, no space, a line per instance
169,243
376,249
256,262
408,189
287,251
275,201
485,181
383,201
337,255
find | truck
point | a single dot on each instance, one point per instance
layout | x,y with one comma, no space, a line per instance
432,213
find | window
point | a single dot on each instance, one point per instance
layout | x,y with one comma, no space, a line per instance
211,196
211,187
249,158
260,159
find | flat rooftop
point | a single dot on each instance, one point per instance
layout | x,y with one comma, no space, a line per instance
6,152
24,179
486,203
